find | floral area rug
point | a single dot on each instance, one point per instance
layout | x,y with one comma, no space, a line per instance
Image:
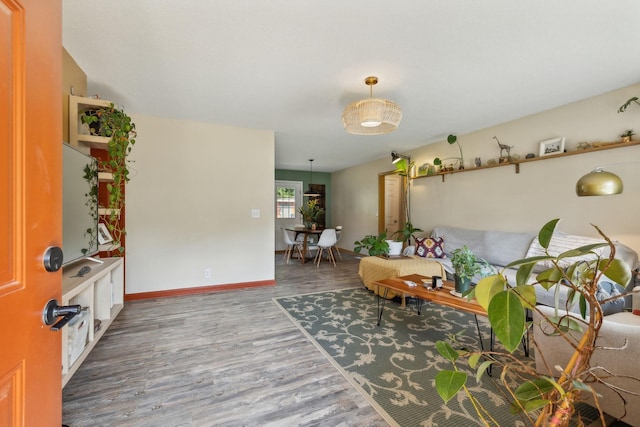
394,365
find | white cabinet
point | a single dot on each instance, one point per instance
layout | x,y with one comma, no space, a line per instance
101,292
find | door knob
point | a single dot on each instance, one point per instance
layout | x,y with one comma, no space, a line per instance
52,311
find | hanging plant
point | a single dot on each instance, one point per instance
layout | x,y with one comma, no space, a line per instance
114,123
91,176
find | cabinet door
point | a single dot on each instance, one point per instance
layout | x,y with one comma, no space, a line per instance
30,209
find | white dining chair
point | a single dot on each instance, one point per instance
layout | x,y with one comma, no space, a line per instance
291,246
338,236
326,242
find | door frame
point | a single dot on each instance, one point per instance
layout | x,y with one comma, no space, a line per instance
278,222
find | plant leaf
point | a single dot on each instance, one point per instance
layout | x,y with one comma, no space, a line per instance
546,233
446,351
449,383
617,270
527,295
507,318
523,273
533,389
482,369
488,287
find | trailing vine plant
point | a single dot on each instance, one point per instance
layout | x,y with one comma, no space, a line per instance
114,123
91,176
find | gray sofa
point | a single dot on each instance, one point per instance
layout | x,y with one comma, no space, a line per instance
499,248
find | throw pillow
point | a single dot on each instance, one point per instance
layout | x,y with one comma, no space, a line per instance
635,301
606,290
430,247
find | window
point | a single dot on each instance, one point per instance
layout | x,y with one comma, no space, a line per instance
285,202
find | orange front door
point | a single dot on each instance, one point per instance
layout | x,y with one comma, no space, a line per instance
30,209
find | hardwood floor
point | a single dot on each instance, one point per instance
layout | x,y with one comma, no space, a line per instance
222,359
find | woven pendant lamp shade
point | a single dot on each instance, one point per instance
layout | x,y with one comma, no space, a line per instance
373,116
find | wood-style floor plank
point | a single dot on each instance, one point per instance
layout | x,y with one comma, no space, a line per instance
228,358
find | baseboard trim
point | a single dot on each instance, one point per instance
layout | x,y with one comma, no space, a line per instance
198,290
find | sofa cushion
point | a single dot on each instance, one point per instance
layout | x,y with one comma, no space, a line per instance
607,289
562,242
503,247
459,237
430,247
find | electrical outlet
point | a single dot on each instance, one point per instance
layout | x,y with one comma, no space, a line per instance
255,213
207,273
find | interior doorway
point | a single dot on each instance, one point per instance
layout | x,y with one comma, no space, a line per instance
288,199
391,215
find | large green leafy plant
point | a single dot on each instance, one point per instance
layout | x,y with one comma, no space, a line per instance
407,233
114,123
543,400
375,245
310,211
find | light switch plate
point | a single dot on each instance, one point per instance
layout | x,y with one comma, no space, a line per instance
255,213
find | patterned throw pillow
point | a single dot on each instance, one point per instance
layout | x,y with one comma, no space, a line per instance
430,247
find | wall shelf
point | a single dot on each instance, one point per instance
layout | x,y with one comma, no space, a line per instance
516,164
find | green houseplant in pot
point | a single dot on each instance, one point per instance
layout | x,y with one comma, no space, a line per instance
375,245
310,212
466,266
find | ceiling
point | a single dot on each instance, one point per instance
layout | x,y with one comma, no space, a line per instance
291,66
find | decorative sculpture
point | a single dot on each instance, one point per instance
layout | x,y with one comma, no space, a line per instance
503,147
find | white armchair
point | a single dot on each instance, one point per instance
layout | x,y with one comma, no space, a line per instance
616,328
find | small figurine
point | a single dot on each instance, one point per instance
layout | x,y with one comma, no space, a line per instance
503,147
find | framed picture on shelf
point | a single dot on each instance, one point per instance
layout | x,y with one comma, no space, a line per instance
552,146
103,234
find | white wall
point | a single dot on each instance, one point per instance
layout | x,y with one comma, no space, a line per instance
500,199
189,202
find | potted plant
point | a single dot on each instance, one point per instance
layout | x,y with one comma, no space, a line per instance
406,233
544,400
466,266
627,136
114,123
375,245
310,212
451,139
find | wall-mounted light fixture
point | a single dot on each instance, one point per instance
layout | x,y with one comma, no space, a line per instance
395,157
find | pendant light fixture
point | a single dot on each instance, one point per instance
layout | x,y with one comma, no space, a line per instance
373,116
310,192
599,183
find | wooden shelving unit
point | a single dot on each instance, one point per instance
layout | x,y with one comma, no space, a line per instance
79,136
101,292
517,164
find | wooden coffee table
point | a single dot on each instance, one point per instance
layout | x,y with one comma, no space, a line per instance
442,296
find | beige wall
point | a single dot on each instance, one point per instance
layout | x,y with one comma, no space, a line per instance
500,199
73,79
189,205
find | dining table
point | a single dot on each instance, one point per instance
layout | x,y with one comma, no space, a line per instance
305,242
